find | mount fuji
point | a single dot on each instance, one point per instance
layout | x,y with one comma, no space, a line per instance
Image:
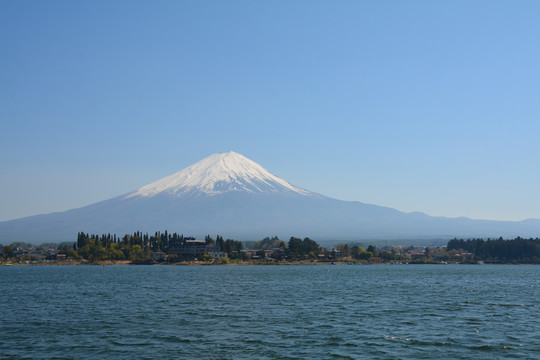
230,195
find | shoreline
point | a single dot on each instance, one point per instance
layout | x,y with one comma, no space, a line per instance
244,263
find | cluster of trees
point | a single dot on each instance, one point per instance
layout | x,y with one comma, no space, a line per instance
267,243
7,251
232,248
356,252
500,250
301,249
298,249
159,242
139,246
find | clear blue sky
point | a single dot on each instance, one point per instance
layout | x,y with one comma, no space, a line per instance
429,106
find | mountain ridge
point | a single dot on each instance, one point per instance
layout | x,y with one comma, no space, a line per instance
233,196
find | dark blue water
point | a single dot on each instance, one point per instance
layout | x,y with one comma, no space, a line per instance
270,312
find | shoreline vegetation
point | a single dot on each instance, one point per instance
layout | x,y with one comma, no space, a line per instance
244,263
174,249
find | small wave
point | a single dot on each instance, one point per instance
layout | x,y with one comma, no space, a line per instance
433,315
397,338
325,326
493,347
340,356
420,342
335,338
176,339
114,342
482,347
254,341
512,305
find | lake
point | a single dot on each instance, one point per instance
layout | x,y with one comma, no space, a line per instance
270,312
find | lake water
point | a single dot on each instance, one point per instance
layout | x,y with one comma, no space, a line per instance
270,312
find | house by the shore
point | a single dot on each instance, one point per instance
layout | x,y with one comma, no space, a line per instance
196,249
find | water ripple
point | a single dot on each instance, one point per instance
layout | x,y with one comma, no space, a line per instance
278,312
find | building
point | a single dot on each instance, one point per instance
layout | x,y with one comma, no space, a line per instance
158,256
415,254
215,252
195,249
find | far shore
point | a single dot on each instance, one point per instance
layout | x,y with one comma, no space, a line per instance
243,263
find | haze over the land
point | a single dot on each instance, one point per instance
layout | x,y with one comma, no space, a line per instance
427,106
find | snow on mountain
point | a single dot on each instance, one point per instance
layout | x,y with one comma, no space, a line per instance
217,174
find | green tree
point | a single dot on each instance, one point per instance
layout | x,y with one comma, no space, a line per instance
135,252
206,257
309,246
295,247
8,251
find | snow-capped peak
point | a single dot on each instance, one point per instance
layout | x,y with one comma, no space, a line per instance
217,174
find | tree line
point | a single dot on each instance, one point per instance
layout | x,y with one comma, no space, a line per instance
139,246
500,250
